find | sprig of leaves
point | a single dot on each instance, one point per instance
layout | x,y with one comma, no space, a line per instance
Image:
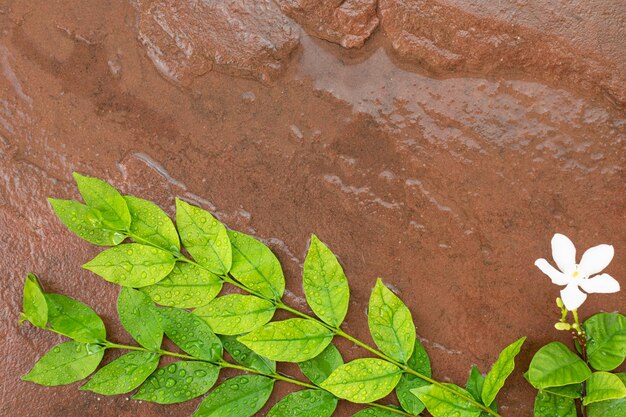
153,268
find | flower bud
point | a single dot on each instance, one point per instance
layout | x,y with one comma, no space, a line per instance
562,326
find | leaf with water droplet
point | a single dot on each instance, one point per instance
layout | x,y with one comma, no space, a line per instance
241,396
169,385
609,408
245,356
66,363
34,306
187,286
447,400
106,199
236,313
305,403
549,405
74,319
500,371
390,323
363,380
293,340
606,335
376,412
191,334
151,224
140,318
419,362
255,266
124,374
325,284
554,365
204,237
132,265
79,218
321,366
602,386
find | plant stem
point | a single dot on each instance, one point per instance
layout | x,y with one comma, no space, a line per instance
578,334
336,330
225,364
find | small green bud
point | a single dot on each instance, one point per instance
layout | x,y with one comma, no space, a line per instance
559,302
562,326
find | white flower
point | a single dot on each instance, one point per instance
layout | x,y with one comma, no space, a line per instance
578,276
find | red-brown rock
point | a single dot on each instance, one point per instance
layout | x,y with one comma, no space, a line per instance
249,38
346,22
528,38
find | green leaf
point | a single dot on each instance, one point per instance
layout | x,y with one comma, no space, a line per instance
132,265
204,237
363,380
236,314
191,334
85,222
325,284
554,365
243,355
390,323
375,412
602,386
450,402
548,405
140,318
419,362
106,200
321,366
255,266
66,363
123,374
474,384
241,396
293,340
35,306
305,403
610,408
500,371
187,286
568,391
606,340
178,382
74,319
151,224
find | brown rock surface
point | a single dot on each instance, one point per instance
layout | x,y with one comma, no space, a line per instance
184,39
346,22
571,43
447,188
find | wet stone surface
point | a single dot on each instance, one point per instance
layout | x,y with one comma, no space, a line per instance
446,177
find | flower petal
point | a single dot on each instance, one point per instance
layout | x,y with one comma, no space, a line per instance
564,253
572,297
555,275
600,284
596,259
